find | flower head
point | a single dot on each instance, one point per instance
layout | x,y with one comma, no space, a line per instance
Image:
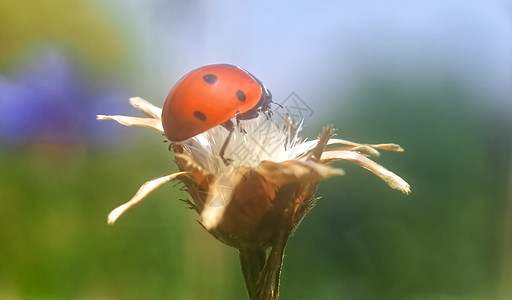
257,200
263,154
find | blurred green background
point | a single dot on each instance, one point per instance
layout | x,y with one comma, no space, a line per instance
433,76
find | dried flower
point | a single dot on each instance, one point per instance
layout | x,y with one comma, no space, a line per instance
256,201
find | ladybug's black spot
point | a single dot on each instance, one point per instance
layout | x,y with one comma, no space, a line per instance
200,115
210,78
240,95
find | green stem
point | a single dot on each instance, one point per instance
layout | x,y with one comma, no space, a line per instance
262,273
268,282
252,261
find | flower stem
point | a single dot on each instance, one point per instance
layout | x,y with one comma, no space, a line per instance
252,261
262,273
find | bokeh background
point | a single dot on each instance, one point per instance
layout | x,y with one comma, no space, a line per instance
434,76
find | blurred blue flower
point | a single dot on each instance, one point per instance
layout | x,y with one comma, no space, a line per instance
48,100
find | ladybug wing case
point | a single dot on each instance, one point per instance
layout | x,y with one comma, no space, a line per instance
207,97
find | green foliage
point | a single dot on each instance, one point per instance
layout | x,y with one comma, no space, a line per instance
77,24
56,243
448,239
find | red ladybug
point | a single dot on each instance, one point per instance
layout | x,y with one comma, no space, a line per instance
209,96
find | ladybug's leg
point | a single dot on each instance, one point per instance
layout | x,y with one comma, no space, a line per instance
240,127
230,127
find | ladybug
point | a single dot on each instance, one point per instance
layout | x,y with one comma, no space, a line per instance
213,95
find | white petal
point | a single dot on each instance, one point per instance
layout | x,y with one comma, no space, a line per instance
143,191
147,108
389,177
155,124
306,146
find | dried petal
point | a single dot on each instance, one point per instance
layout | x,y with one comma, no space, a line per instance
187,164
365,149
323,138
393,180
293,170
219,195
387,146
143,191
145,107
155,124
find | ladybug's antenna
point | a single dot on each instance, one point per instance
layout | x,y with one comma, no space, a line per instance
276,104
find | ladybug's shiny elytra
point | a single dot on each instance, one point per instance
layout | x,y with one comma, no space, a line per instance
209,96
